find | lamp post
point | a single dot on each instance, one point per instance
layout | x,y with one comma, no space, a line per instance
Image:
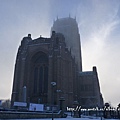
59,93
53,84
76,112
61,102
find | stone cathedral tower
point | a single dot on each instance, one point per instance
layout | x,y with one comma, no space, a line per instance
69,28
42,61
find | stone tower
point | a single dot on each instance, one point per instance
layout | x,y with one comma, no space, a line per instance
69,28
42,61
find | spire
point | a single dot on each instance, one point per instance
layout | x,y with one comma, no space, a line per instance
75,17
53,21
95,70
57,17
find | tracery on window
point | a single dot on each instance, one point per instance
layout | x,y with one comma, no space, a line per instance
40,74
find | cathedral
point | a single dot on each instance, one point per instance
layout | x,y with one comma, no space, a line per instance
51,68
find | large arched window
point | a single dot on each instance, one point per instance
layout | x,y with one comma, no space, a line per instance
40,74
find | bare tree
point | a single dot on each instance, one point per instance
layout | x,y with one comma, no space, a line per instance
6,104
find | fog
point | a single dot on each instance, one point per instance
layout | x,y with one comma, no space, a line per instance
99,27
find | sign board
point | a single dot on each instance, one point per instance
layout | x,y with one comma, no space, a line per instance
36,107
20,104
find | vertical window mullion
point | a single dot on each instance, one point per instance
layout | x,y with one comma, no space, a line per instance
45,79
40,79
35,79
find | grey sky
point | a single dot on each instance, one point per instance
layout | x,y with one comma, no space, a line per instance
99,26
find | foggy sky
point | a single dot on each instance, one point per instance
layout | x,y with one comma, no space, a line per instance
99,27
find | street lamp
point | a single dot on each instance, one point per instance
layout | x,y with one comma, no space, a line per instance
61,102
53,84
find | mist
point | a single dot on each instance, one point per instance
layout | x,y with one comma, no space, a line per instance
99,27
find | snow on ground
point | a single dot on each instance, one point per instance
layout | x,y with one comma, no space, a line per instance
69,118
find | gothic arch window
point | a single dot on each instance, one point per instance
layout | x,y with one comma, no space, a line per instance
40,73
